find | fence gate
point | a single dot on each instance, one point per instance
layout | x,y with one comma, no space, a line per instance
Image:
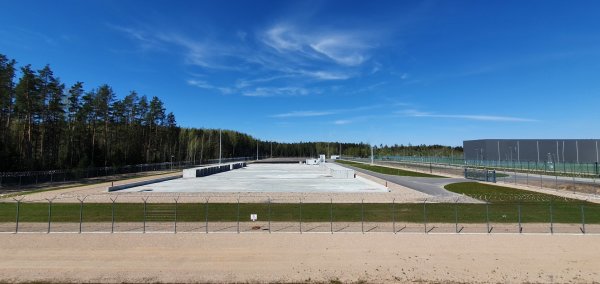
480,174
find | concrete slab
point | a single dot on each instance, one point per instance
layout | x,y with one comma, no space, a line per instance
269,178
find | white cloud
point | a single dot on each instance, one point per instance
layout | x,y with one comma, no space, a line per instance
145,40
416,113
243,83
325,75
282,38
342,121
205,85
342,49
312,113
287,53
278,92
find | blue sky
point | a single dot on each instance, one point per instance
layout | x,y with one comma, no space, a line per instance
373,71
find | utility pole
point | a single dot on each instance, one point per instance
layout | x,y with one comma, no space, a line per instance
257,149
372,154
220,152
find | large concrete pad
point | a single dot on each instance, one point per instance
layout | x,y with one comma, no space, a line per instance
268,178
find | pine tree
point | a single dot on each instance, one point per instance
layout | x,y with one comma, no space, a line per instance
7,94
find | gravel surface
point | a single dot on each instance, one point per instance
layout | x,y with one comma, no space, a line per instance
229,258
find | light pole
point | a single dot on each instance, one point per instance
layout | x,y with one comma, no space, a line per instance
172,161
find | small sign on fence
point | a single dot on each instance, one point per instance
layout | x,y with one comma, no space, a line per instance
253,217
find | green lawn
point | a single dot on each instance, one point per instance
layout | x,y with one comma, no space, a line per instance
386,170
503,208
535,207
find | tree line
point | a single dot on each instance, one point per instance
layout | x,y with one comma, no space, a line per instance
45,124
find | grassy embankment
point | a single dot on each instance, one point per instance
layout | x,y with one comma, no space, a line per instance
387,170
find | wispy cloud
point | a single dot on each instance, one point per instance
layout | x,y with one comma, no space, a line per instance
326,75
278,92
416,113
343,47
145,40
342,121
313,113
243,83
204,85
360,118
272,58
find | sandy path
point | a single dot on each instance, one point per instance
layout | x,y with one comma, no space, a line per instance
295,257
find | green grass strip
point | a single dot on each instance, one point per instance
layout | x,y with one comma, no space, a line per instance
387,170
506,212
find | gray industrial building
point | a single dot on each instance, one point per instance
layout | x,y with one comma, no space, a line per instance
533,150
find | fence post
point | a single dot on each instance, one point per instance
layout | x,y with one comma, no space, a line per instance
269,214
555,177
238,215
49,213
551,218
175,227
145,199
425,215
487,214
519,215
362,216
300,215
394,215
331,214
112,226
81,211
206,215
582,220
456,215
527,177
17,218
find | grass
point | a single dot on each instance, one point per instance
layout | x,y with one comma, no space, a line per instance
503,208
535,206
387,170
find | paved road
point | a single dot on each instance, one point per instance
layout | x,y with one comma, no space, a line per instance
431,186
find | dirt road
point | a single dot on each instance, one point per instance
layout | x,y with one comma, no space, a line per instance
298,258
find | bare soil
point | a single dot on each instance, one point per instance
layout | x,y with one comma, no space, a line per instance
228,258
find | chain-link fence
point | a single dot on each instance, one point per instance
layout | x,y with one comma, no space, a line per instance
253,215
577,180
15,180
